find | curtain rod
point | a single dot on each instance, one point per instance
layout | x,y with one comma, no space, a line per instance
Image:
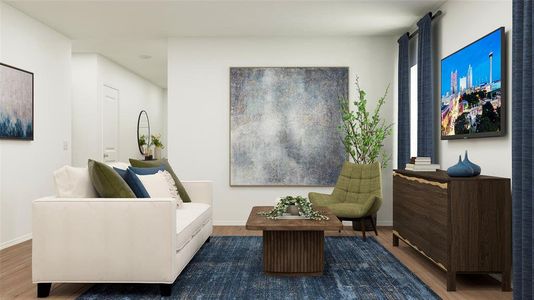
432,17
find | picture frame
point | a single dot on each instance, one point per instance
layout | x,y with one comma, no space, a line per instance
17,117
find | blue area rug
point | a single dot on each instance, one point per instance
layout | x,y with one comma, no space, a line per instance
231,268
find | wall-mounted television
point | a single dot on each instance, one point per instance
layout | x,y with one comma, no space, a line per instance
473,85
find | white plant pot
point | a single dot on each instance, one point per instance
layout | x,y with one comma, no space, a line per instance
157,153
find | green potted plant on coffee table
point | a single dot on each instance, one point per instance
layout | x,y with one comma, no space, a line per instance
291,203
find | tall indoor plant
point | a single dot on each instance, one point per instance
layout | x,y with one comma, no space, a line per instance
363,131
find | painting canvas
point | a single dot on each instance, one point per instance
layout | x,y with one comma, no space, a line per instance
16,103
472,89
283,125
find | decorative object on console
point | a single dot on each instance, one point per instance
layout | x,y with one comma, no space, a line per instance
16,103
476,168
464,168
364,132
422,164
145,148
304,206
283,125
143,134
473,89
107,182
158,145
165,163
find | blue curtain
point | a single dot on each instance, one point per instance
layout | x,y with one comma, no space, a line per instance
522,148
426,130
403,120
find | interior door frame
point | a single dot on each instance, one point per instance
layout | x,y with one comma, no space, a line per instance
102,99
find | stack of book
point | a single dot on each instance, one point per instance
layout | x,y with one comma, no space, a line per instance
422,164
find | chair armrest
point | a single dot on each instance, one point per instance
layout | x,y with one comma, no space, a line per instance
104,240
319,199
200,191
376,203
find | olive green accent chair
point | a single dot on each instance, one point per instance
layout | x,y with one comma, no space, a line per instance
357,195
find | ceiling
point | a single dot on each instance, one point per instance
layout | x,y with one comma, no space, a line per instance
125,30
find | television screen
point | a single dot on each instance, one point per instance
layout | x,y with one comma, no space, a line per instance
472,89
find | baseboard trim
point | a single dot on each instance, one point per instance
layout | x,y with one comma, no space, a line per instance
16,241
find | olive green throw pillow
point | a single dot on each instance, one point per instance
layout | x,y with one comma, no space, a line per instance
107,182
159,162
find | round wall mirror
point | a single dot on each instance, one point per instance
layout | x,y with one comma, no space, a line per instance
143,132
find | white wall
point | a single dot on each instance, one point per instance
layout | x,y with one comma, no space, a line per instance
86,128
198,105
90,73
494,155
26,167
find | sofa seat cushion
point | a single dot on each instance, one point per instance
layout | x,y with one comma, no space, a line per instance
190,218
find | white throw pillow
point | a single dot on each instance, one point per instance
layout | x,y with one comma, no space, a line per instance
74,182
161,185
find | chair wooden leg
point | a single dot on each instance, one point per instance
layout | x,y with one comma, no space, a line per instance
362,224
373,222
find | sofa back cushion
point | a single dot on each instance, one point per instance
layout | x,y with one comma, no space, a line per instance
165,163
71,182
107,182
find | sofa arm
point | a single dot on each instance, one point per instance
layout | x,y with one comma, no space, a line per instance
200,191
104,240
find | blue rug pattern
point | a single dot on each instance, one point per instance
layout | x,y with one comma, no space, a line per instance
231,268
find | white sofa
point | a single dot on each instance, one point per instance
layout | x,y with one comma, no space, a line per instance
97,240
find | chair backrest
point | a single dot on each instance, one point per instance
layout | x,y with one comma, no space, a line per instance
357,182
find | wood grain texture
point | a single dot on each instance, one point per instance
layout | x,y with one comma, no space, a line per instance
420,216
258,222
293,252
16,282
466,227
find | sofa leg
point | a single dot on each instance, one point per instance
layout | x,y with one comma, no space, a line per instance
165,289
43,290
209,239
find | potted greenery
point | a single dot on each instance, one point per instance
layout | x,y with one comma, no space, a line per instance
289,204
144,147
158,145
364,131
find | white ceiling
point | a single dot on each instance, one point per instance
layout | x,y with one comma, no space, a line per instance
124,30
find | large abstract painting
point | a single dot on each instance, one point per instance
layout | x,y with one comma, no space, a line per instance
283,125
16,103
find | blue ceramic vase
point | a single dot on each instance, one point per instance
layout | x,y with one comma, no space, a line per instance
475,167
464,168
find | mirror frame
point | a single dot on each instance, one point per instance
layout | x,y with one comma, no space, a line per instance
138,122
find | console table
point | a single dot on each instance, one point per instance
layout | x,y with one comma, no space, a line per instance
462,224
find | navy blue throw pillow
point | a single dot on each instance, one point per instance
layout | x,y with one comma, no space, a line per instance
133,182
146,171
